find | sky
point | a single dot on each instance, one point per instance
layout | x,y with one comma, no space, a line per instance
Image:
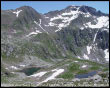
46,6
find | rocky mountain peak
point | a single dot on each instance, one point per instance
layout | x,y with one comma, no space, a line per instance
72,7
85,9
91,10
26,8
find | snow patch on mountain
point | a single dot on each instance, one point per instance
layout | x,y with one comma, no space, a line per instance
58,17
101,22
6,68
105,29
40,21
70,13
82,28
14,31
106,52
13,72
95,37
40,74
84,66
34,33
86,57
46,25
51,24
88,49
79,57
22,65
17,12
76,61
39,24
67,17
56,73
97,59
65,20
54,70
86,14
13,67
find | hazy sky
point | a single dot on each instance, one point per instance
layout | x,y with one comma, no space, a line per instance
46,6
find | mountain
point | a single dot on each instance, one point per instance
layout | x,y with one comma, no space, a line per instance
34,39
82,26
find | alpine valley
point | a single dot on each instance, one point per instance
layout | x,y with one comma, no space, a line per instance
68,47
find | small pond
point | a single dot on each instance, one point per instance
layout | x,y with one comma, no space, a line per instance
86,75
31,70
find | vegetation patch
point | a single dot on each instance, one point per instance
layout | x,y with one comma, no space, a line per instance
67,75
73,67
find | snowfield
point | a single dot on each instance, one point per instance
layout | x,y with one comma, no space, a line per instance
13,67
34,33
22,65
106,54
86,57
76,61
102,21
56,73
84,66
40,74
95,37
17,12
88,49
